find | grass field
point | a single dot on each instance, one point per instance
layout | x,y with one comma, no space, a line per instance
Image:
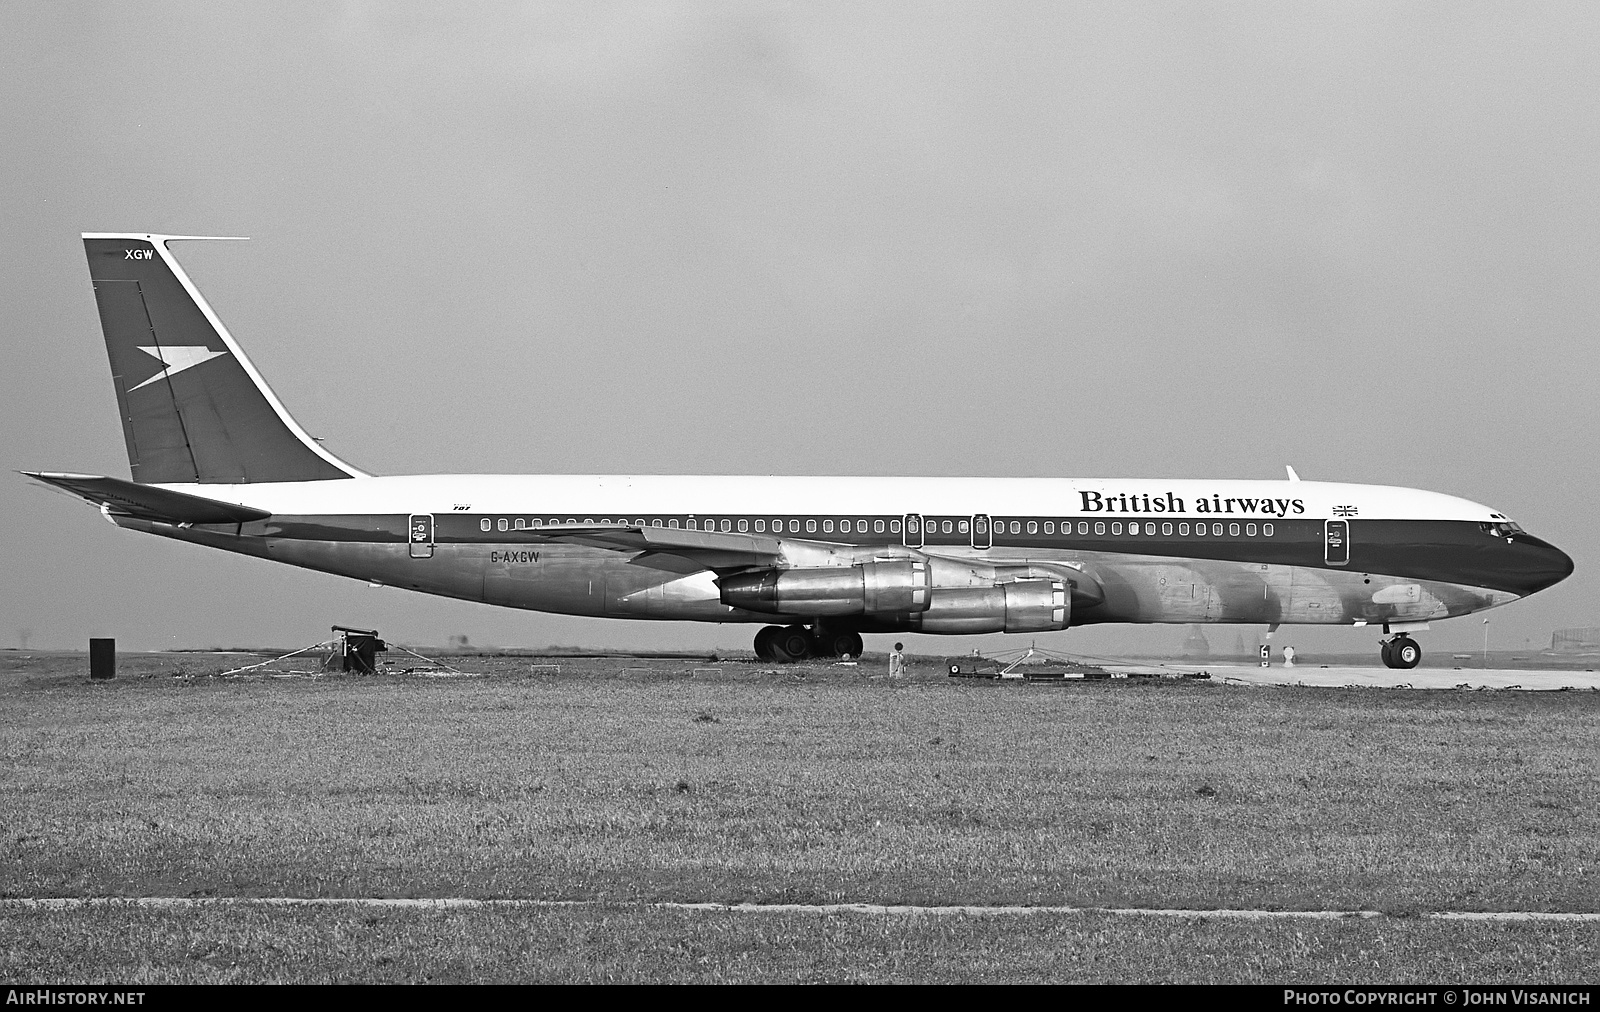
623,782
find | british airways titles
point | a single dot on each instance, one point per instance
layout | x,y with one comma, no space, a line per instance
1095,502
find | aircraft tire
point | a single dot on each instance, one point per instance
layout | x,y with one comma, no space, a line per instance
764,641
1386,653
1407,654
848,645
791,644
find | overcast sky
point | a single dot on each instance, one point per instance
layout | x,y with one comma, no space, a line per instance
1112,239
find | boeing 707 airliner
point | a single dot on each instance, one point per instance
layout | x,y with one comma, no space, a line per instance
217,460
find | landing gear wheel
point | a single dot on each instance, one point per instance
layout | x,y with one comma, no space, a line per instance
848,645
791,644
765,640
838,644
1407,654
1402,652
1386,653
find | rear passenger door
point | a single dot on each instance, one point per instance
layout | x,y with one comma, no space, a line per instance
421,535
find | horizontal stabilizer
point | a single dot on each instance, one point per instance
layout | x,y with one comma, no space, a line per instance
147,502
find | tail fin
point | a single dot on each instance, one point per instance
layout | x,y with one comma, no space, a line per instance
193,407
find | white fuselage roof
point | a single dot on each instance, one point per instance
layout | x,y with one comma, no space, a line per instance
616,495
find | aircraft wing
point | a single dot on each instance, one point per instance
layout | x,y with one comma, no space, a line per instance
711,549
147,502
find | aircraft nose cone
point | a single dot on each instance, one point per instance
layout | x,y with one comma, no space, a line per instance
1542,565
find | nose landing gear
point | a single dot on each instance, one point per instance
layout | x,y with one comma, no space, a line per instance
786,644
1401,651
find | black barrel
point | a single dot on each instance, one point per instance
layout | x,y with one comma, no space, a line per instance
102,658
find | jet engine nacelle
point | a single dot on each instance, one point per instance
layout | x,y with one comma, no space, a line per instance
867,588
1020,606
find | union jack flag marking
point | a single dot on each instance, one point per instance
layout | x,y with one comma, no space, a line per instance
1344,511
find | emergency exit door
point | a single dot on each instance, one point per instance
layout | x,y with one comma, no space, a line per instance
912,530
1337,540
421,536
981,538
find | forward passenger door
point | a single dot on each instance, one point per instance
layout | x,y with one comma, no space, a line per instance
1337,542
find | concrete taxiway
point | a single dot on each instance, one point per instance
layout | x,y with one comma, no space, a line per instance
1376,677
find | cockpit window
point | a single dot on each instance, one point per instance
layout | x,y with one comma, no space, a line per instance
1503,529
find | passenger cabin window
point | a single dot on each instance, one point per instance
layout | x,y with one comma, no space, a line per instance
1049,526
1250,530
1266,529
827,526
693,524
1099,527
1233,530
744,525
894,527
1166,530
761,525
861,527
1116,528
877,526
483,524
811,527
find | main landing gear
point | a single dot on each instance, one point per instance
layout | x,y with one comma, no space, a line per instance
1401,652
784,644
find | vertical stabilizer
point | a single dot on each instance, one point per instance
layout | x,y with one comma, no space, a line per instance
193,408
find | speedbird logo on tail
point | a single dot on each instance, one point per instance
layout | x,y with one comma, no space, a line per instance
177,359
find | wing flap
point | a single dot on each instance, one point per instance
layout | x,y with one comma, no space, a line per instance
147,502
712,549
